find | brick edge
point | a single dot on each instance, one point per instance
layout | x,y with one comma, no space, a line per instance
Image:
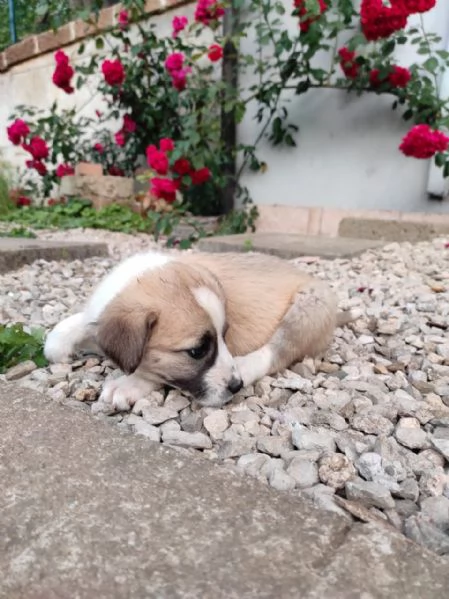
50,41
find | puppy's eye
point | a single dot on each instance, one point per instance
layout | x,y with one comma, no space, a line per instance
200,351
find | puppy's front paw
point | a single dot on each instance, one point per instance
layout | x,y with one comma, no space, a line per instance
122,393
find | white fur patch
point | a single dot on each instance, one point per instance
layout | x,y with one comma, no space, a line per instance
122,275
62,340
224,369
255,365
213,305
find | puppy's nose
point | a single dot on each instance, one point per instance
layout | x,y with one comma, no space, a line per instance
235,385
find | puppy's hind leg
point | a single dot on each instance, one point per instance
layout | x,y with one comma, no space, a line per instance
63,340
305,330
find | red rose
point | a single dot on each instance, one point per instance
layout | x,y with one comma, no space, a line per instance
17,131
347,63
123,19
415,6
399,77
116,171
120,138
200,176
215,53
178,24
181,167
23,201
179,79
166,144
38,166
65,170
128,124
374,78
164,188
207,11
174,62
63,72
37,148
99,148
304,23
158,161
423,142
380,21
113,72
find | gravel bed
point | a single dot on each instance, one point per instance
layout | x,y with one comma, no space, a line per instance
363,432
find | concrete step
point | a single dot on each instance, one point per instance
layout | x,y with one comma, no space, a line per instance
288,246
391,230
16,252
92,512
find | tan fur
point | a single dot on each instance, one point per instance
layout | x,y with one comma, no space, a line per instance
259,289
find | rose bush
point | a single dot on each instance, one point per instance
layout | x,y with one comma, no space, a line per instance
160,89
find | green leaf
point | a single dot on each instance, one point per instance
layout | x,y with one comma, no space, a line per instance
440,159
388,47
431,64
99,43
302,87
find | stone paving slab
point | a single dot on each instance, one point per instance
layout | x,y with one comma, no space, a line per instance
91,512
391,230
288,246
16,252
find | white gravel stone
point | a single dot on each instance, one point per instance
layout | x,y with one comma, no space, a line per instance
409,433
369,493
157,415
20,370
216,422
274,446
305,439
195,440
303,472
335,470
147,430
441,445
295,383
281,481
372,423
175,401
251,463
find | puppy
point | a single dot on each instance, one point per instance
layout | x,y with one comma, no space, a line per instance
206,324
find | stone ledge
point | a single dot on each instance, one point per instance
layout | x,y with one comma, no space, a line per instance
288,246
95,512
16,252
391,230
307,220
50,41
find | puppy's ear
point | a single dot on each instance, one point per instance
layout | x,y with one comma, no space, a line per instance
122,335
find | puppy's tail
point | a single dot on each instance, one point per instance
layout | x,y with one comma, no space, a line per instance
344,317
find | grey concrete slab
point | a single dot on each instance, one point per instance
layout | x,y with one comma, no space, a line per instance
16,252
391,230
287,245
91,512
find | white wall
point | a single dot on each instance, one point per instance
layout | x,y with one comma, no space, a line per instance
347,154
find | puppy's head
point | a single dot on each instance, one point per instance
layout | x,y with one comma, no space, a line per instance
169,326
